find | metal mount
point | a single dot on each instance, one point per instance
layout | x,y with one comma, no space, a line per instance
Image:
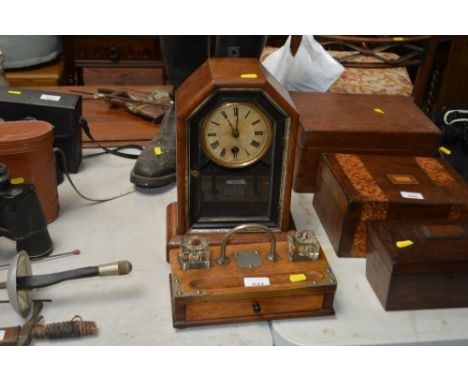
250,259
251,227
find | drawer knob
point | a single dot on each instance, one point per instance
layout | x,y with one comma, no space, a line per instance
113,53
256,307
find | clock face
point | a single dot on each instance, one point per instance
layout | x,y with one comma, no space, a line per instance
236,134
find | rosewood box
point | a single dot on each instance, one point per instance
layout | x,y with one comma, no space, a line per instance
356,189
357,124
418,265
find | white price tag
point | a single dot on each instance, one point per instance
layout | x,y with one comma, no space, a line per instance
50,97
256,281
411,195
2,335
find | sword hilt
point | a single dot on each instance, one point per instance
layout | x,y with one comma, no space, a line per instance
68,329
55,331
41,281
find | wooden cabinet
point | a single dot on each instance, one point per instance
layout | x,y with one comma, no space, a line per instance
118,60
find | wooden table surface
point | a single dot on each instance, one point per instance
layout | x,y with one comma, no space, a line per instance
110,126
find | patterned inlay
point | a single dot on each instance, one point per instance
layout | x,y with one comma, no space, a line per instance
439,175
375,206
360,177
436,171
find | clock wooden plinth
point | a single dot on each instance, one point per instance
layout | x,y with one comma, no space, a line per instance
225,294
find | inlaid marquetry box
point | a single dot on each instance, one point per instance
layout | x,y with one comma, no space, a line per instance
356,189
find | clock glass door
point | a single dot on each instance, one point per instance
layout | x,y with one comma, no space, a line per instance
235,161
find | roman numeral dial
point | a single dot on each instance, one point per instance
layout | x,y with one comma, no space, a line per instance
236,134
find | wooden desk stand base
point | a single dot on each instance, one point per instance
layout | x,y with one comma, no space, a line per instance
218,295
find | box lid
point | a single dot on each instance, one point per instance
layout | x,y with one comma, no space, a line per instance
25,136
402,180
435,246
363,121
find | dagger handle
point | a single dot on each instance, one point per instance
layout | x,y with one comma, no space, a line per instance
67,329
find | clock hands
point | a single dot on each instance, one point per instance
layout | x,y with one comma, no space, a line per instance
236,113
235,149
235,131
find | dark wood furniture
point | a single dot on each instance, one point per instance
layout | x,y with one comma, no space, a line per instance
116,60
356,189
413,52
355,123
120,60
418,265
449,77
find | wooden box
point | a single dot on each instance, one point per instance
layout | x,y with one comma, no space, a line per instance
418,265
355,189
357,124
41,75
219,295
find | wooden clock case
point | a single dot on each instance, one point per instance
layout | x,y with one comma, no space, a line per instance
231,76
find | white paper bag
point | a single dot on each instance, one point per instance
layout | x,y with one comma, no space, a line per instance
312,69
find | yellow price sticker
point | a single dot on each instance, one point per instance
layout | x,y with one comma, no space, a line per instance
18,180
445,150
249,75
15,92
378,110
404,243
398,39
157,151
297,277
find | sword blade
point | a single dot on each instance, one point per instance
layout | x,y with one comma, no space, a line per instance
34,300
49,257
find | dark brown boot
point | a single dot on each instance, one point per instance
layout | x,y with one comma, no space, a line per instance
156,165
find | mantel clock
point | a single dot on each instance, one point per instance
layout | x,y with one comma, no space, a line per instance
236,140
